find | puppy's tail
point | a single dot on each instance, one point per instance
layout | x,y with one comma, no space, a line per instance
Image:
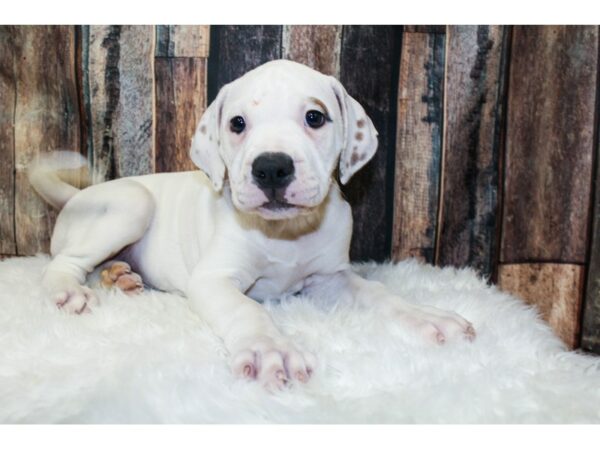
57,176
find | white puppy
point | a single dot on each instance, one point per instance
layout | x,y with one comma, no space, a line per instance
268,220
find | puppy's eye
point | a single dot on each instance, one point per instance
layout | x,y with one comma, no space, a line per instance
315,119
237,124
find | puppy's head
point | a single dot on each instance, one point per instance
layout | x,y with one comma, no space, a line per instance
278,133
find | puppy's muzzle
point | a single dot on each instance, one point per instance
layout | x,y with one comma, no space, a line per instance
272,173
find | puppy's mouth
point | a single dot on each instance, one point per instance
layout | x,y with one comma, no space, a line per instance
277,205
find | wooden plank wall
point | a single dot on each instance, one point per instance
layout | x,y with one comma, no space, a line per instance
548,175
488,136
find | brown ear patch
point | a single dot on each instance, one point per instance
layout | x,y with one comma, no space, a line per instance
356,157
360,123
359,136
203,129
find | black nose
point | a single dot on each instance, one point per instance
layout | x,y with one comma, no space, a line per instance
273,170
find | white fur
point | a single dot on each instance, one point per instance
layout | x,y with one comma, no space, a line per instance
149,358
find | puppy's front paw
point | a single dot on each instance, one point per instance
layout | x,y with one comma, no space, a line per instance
75,299
435,324
273,363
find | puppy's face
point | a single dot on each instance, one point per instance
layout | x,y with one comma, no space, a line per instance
278,133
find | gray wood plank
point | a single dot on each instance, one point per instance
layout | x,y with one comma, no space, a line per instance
370,58
7,142
317,46
236,49
119,94
475,90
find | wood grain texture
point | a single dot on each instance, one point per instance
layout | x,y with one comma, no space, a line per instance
119,92
475,88
549,143
46,118
435,29
590,328
370,57
418,146
182,41
180,101
7,143
555,289
236,49
317,46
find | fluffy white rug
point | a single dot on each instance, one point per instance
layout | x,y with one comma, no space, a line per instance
150,359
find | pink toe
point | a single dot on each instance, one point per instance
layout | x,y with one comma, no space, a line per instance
249,371
440,338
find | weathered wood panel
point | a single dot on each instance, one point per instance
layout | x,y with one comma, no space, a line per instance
436,29
236,49
180,101
182,40
46,118
418,146
119,95
317,46
590,329
555,289
7,143
475,88
371,77
549,143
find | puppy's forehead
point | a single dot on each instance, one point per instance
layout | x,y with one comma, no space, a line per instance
281,81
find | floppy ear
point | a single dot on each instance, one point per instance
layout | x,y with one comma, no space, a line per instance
206,142
359,134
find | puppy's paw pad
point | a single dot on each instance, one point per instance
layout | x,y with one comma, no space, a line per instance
273,366
75,300
438,326
130,283
119,275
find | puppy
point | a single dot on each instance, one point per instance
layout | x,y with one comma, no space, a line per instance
263,217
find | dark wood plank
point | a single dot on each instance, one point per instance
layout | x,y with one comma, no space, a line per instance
317,46
435,29
590,328
369,71
182,41
475,88
555,289
236,49
418,146
180,101
119,94
46,118
549,143
7,143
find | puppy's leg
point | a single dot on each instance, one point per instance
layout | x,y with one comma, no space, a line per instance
257,348
94,225
434,324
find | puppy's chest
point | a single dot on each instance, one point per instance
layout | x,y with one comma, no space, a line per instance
285,269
